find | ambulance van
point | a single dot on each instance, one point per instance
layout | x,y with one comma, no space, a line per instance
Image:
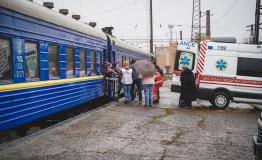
226,72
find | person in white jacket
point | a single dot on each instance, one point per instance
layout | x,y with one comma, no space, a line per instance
127,80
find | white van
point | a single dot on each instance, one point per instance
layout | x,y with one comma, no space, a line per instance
229,72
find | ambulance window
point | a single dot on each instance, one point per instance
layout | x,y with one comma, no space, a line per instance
249,67
184,59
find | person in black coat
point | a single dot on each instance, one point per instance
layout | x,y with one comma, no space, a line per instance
187,88
137,81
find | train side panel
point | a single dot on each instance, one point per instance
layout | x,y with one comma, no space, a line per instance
24,100
19,106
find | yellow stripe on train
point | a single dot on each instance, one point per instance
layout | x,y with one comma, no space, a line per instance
18,86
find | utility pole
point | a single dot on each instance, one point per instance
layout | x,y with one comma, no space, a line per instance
180,31
257,21
171,26
251,38
196,21
151,28
208,31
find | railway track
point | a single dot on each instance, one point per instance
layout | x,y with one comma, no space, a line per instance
40,124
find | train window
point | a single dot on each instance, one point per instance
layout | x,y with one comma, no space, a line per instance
5,60
118,60
53,64
70,65
104,59
32,61
82,63
99,61
93,62
114,56
123,59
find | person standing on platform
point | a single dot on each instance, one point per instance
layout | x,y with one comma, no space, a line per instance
158,84
162,74
127,80
136,82
117,70
187,88
148,84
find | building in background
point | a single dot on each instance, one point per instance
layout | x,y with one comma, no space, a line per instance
165,57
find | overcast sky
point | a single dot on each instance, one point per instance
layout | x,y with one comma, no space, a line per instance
130,18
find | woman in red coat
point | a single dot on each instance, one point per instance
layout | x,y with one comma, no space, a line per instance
158,84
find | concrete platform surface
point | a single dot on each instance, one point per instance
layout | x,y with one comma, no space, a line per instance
163,132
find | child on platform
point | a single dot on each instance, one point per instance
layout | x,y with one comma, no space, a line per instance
158,84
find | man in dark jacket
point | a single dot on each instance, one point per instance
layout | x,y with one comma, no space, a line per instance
136,82
187,88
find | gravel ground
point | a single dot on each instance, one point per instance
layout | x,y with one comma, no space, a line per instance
163,132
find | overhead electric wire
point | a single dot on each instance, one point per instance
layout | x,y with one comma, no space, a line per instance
213,6
229,9
112,13
114,9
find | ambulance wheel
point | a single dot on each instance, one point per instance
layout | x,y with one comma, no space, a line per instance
220,100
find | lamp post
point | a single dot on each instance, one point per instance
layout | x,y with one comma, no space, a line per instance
180,31
171,26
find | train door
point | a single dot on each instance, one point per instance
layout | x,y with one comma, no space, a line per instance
114,56
114,79
105,58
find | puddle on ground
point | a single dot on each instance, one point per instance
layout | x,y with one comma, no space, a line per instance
201,123
177,136
155,119
167,111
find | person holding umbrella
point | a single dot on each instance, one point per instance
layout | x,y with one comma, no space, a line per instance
147,71
148,84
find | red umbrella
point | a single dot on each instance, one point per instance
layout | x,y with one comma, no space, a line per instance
145,68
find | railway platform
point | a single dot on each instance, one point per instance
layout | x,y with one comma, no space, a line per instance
161,132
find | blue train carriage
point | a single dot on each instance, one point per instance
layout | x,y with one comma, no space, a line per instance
120,51
49,62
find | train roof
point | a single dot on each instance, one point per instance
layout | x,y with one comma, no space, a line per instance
40,12
124,45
